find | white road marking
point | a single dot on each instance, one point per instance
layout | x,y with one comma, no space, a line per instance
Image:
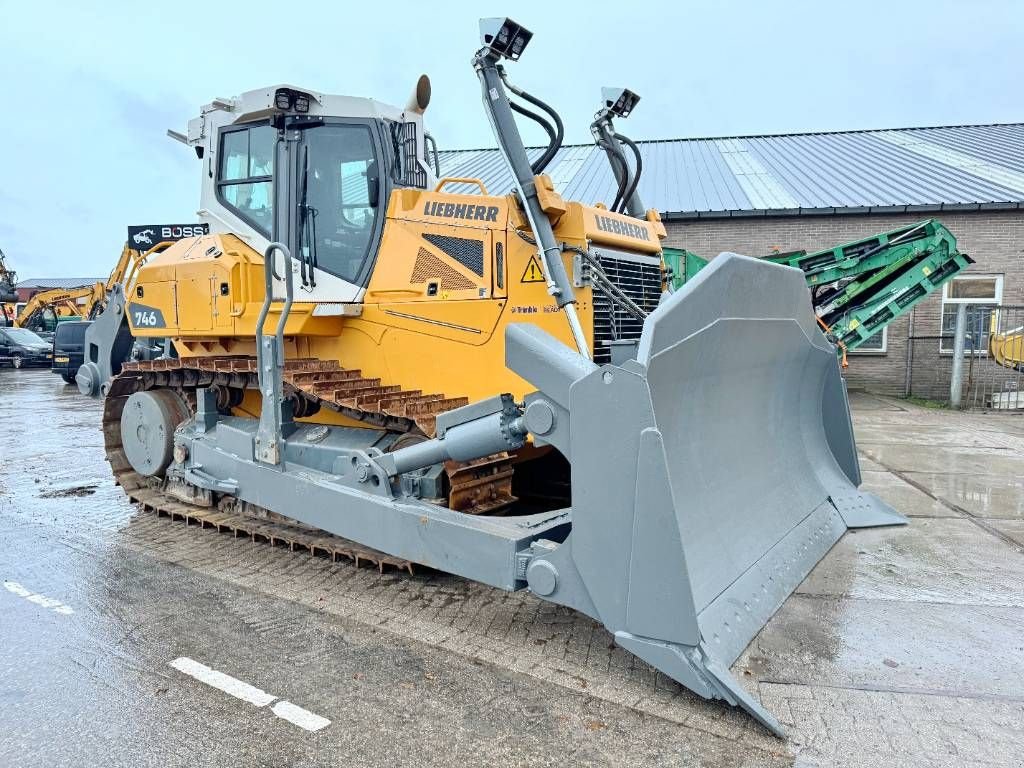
230,685
294,714
41,600
299,716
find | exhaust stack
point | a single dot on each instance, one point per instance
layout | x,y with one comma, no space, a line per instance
420,97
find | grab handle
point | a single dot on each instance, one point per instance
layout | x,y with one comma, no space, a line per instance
461,180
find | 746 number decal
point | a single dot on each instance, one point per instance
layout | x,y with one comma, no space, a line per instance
143,317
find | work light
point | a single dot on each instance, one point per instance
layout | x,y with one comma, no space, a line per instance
283,99
619,101
504,37
287,100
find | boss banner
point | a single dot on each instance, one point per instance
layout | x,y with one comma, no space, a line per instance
144,236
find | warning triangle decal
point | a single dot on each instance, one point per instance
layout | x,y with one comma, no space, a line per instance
533,273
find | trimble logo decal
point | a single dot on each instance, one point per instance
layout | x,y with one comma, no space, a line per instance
608,224
461,211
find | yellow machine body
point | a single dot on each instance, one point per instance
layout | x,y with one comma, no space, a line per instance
1007,349
426,321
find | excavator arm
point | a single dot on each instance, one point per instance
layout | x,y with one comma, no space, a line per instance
129,260
858,288
56,300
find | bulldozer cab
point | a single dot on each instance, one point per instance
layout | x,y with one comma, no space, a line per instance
312,171
328,176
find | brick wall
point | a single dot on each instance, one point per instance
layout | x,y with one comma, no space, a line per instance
994,239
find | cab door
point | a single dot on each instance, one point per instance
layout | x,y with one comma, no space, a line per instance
339,200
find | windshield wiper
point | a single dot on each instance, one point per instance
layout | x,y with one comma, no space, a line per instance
307,229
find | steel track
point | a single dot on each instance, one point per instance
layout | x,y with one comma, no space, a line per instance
480,487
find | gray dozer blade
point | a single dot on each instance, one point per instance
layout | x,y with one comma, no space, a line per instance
709,475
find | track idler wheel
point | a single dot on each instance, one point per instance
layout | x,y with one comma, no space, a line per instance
302,406
227,397
148,422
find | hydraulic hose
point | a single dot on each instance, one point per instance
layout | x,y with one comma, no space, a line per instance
537,119
636,175
556,143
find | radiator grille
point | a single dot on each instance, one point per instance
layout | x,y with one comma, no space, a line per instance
639,277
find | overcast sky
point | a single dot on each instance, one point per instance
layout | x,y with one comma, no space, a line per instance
89,89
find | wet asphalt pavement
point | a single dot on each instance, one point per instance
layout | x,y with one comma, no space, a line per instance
903,647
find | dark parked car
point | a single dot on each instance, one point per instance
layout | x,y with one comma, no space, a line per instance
69,349
20,347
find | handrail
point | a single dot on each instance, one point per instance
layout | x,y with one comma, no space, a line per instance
137,264
461,180
270,362
268,298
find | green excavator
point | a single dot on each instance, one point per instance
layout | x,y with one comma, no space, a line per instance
858,288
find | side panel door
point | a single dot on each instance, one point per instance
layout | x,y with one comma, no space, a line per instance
195,302
155,312
432,262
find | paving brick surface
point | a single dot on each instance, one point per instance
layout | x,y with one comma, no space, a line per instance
820,665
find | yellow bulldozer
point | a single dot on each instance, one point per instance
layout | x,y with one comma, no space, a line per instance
372,361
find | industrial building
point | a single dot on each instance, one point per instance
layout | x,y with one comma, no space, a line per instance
758,195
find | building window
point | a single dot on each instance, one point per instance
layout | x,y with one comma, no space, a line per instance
982,294
874,345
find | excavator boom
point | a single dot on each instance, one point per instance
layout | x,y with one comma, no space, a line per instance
58,302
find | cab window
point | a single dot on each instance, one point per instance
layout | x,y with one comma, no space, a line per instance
245,176
342,188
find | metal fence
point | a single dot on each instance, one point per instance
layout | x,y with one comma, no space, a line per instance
991,364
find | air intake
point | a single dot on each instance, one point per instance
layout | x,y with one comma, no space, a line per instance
428,267
469,253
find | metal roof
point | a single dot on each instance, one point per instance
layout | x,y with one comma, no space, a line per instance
908,169
66,283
